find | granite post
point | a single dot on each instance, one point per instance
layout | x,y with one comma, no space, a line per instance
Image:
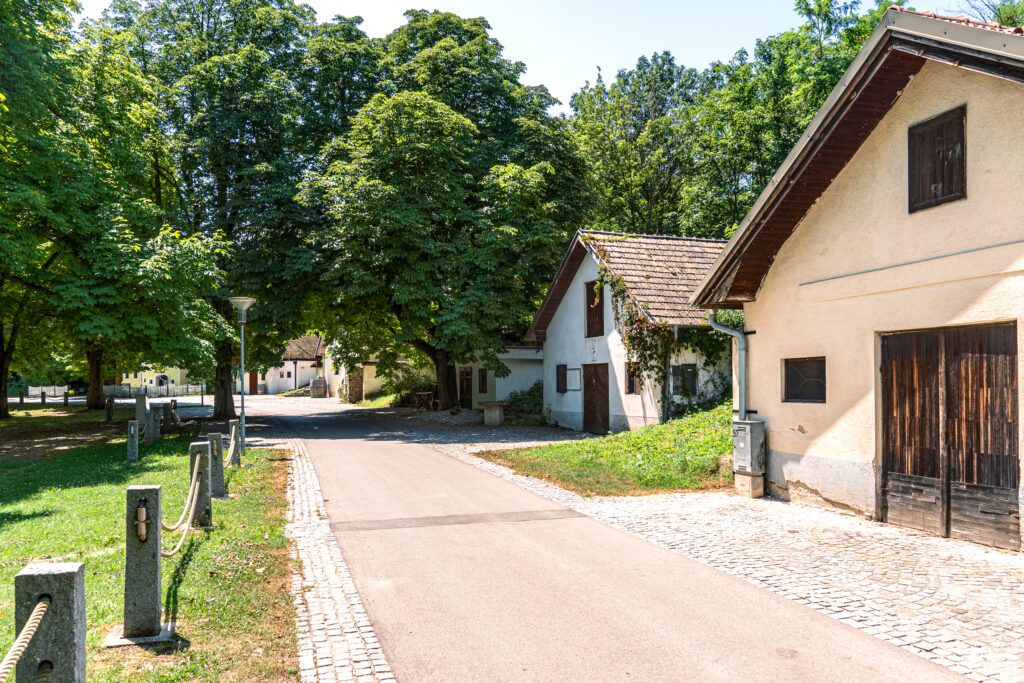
21,397
143,609
140,408
65,398
204,507
235,447
133,440
60,639
42,398
217,487
110,408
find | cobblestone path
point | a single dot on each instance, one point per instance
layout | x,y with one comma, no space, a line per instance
335,637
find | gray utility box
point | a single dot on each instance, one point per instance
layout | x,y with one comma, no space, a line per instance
748,446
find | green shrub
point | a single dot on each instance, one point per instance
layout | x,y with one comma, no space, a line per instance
528,401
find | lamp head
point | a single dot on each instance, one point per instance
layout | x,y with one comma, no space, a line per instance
241,304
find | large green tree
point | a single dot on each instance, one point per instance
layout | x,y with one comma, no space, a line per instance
450,202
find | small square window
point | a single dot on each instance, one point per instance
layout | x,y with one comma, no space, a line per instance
289,374
804,380
684,380
560,378
632,379
280,375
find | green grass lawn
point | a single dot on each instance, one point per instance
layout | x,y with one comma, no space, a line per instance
227,589
681,454
35,416
379,401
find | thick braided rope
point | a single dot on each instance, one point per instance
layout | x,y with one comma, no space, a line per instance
191,488
184,534
24,638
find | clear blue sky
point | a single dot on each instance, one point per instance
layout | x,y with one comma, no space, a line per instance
563,42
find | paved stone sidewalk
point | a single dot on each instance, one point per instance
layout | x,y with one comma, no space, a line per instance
958,604
335,637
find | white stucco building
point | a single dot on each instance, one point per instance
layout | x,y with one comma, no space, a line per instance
882,272
588,382
477,383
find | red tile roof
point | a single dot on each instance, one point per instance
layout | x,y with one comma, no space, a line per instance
966,21
660,272
304,348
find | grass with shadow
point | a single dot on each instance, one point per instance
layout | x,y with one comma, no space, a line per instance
379,401
679,455
227,589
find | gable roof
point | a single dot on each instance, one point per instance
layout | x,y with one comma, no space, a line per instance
659,271
304,348
901,44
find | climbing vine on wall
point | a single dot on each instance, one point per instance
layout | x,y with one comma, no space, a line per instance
649,343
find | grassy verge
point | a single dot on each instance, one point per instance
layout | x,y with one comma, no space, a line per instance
227,589
679,455
381,401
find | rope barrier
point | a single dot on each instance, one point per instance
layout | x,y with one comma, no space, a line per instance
191,489
24,638
191,517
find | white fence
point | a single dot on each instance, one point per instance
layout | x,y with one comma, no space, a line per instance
126,390
33,392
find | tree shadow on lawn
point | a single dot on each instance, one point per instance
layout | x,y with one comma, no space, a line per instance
83,467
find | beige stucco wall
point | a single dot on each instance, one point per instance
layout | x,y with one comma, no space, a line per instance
848,273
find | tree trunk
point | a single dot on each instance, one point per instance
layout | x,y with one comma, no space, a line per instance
6,354
223,394
447,387
94,397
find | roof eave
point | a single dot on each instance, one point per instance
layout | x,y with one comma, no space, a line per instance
999,45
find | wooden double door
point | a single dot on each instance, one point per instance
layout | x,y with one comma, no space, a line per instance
949,442
595,398
466,387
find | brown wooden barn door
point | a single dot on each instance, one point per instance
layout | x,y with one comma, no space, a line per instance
466,387
949,422
981,434
595,398
910,431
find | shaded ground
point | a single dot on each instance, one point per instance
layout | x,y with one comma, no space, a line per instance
35,431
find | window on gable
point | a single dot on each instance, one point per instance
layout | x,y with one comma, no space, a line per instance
684,380
482,380
289,374
632,379
804,380
561,372
595,310
936,160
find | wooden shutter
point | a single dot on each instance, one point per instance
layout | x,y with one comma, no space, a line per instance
560,378
937,161
632,385
595,310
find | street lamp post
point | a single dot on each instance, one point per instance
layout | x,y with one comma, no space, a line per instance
242,304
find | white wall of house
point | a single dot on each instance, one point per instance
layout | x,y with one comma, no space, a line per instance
526,368
288,376
566,344
859,264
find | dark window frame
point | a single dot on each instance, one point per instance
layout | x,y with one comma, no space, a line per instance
952,127
594,309
683,376
481,380
561,378
632,379
786,396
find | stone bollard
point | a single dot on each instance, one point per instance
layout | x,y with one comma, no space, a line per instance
158,420
140,408
133,441
110,408
65,398
21,397
42,398
60,639
204,507
217,487
152,433
143,609
235,446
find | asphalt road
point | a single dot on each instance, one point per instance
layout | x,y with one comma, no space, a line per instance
469,577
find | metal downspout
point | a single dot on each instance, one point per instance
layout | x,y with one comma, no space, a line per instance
741,371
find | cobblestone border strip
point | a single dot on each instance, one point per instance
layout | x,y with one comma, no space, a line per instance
337,642
860,606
